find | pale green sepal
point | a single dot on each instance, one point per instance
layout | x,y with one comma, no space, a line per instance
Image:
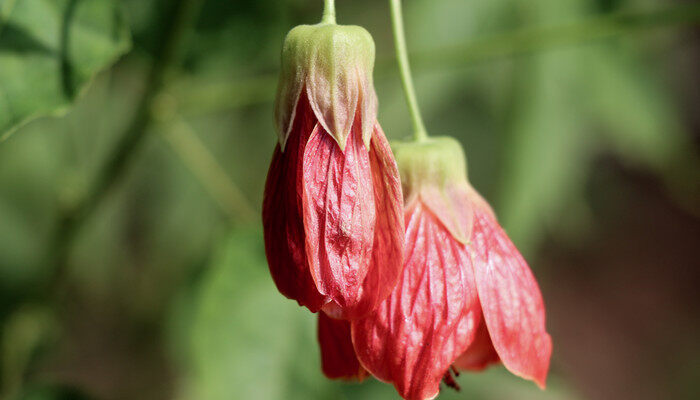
436,161
434,172
334,64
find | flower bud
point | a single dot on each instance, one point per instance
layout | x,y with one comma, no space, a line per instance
333,65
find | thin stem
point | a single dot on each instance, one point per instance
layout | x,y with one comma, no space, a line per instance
419,132
208,171
328,12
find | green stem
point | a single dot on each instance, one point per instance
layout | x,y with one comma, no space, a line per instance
208,171
328,12
419,132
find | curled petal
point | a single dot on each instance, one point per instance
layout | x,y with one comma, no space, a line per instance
338,360
511,301
429,319
283,219
339,214
480,354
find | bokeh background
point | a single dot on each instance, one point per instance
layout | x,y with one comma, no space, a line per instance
131,255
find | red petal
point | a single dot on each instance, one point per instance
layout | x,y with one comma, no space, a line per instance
511,301
387,253
480,354
429,319
339,214
282,217
338,358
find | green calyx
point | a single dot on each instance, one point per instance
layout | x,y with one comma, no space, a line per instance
436,161
333,64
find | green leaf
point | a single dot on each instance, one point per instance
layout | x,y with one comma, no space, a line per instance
248,341
642,122
546,154
50,50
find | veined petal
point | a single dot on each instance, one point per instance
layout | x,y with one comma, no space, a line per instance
429,319
283,219
339,214
387,253
480,354
338,358
511,300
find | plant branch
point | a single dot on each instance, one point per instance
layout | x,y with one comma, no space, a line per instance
195,155
177,21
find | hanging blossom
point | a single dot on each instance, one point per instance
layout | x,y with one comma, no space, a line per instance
466,297
332,209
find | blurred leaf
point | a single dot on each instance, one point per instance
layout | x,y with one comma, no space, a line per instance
248,341
571,105
49,50
640,120
545,155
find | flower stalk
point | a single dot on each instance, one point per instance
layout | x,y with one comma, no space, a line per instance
328,12
419,132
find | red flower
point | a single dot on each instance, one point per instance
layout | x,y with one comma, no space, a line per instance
332,204
458,302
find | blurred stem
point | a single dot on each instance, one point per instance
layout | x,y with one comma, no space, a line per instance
209,172
199,96
419,132
328,12
528,40
176,22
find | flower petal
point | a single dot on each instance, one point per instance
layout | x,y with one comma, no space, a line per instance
338,358
511,301
480,354
387,254
282,216
339,214
429,319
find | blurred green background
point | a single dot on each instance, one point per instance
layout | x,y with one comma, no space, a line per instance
131,255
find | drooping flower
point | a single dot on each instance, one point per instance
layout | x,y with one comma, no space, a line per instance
332,204
466,296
